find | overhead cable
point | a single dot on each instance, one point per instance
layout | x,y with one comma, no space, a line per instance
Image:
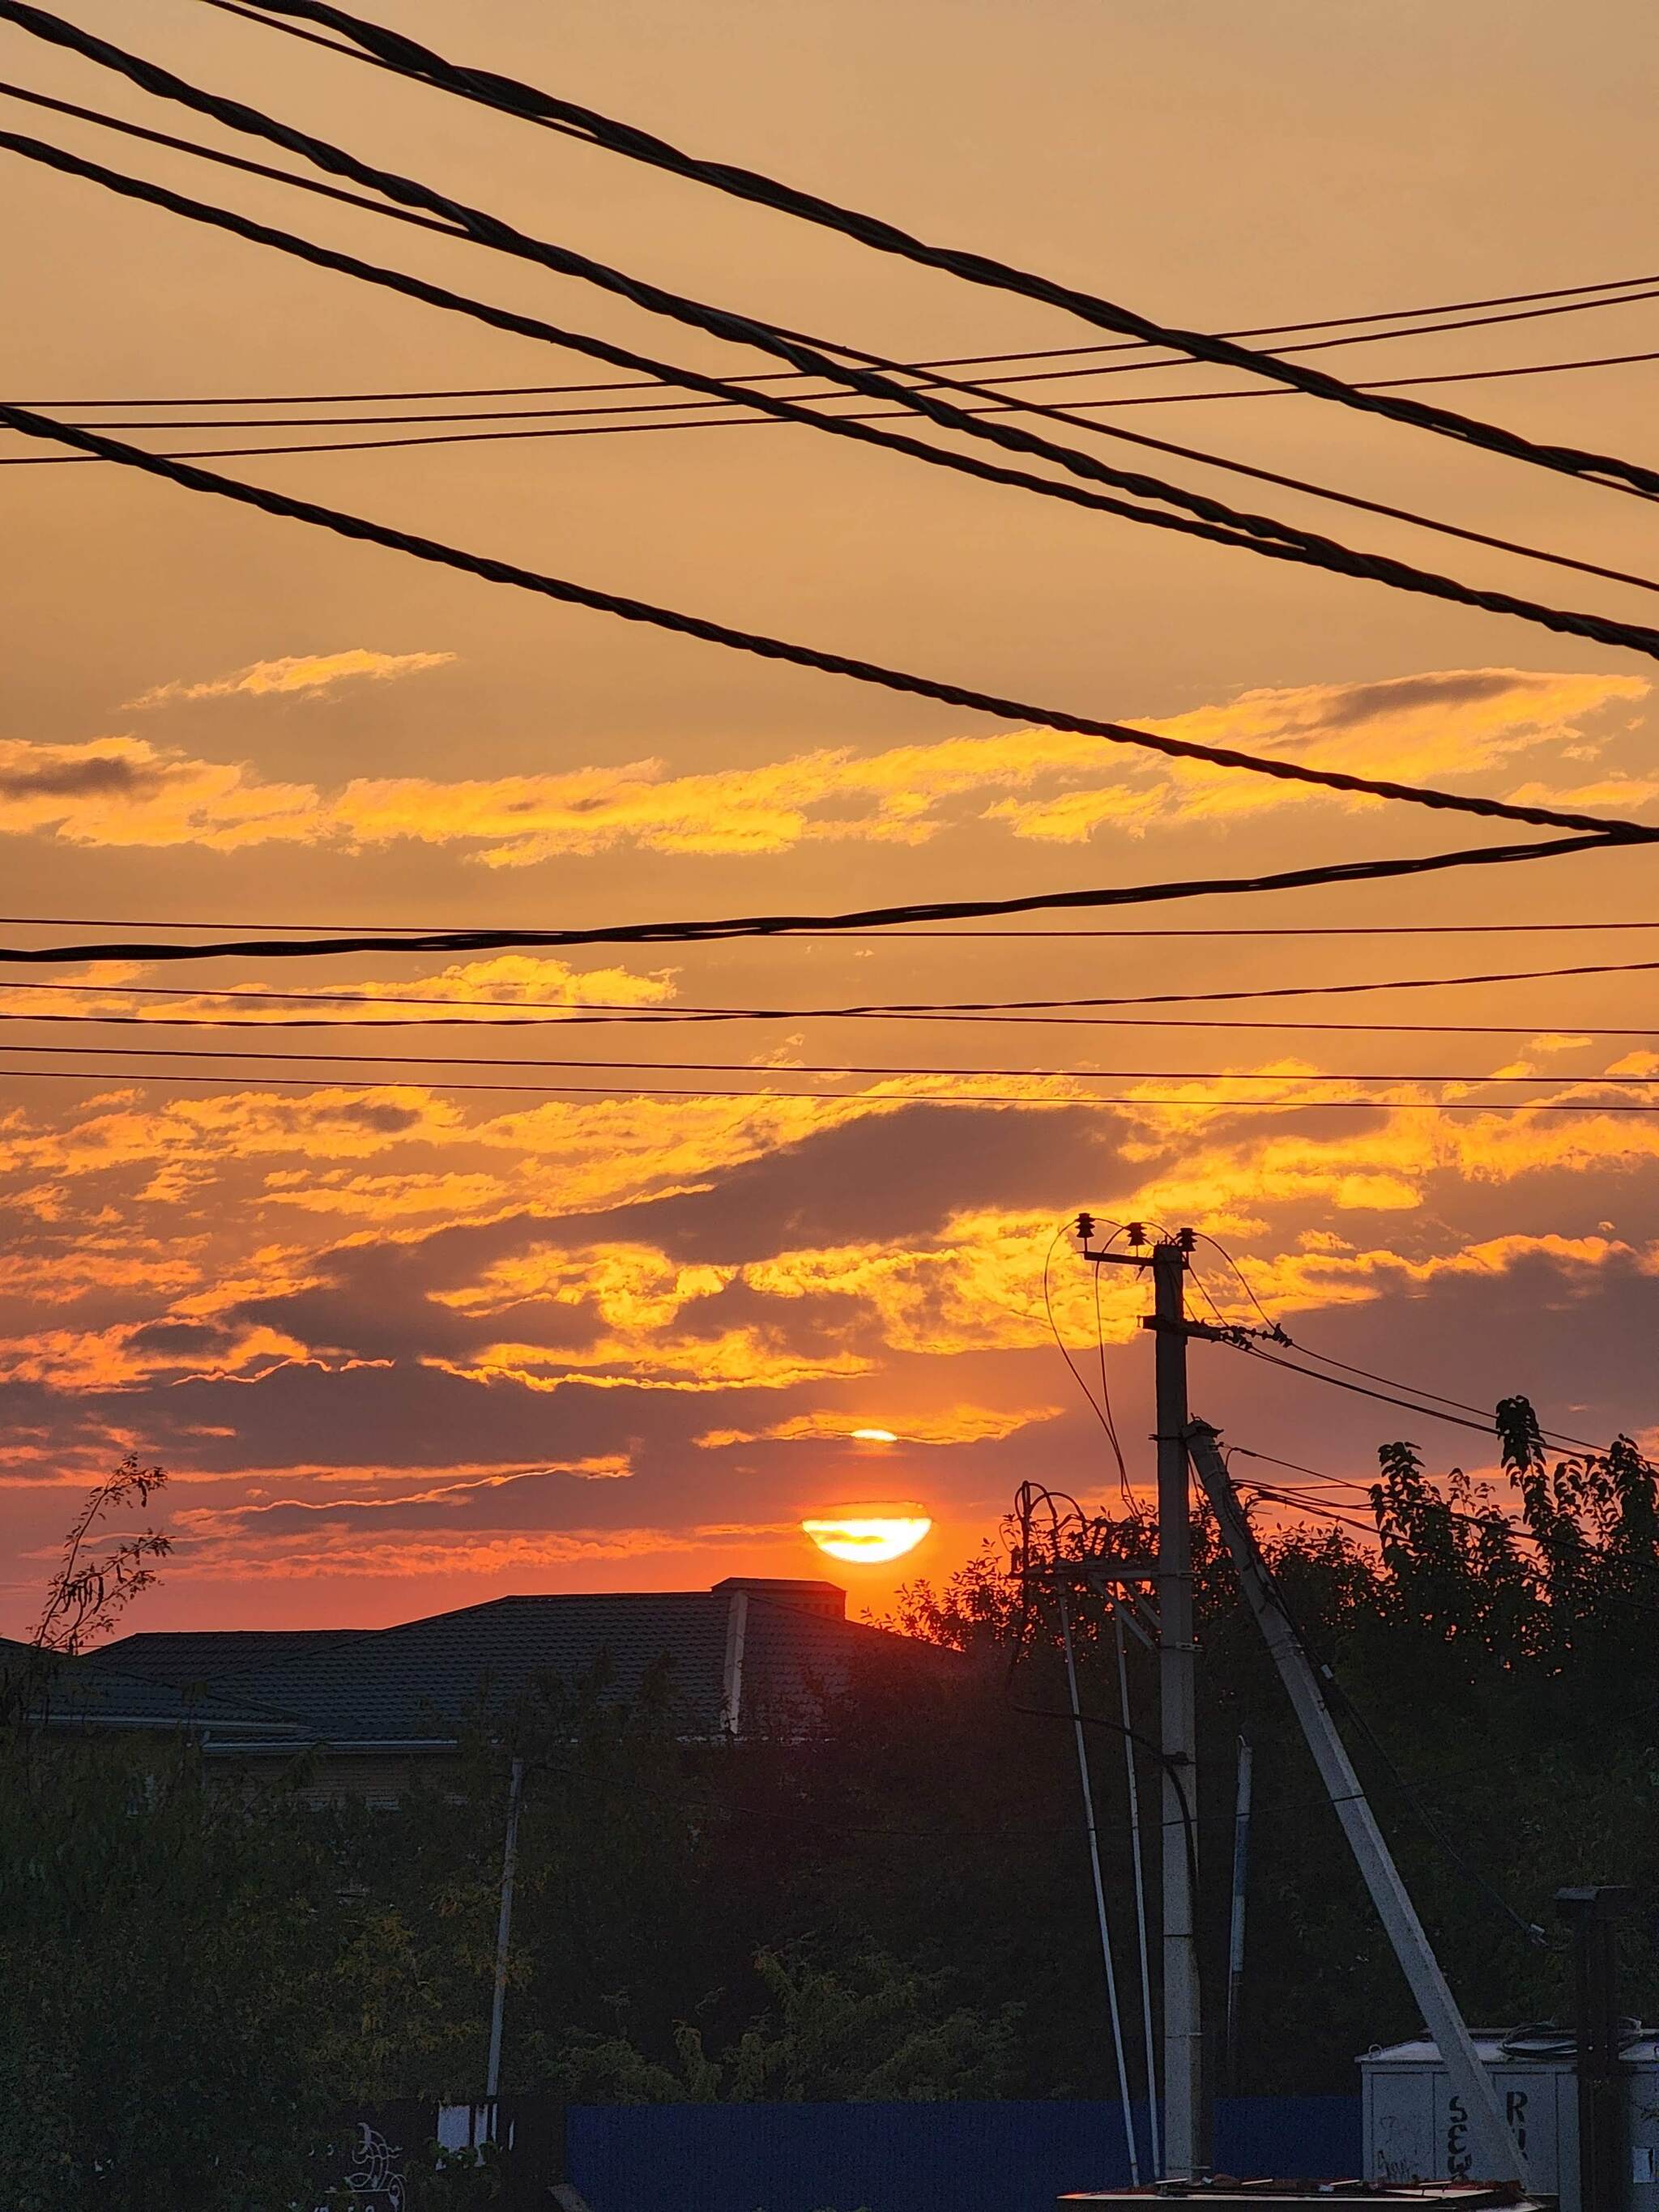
747,382
1360,1390
899,1009
1289,1078
1210,519
1020,405
530,1012
1367,1374
511,95
1602,828
256,1079
1613,294
1237,930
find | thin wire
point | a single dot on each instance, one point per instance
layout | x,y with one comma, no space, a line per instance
375,1059
1424,1815
900,937
1124,1491
248,167
571,1010
1336,1382
1064,1349
1087,1781
1205,517
839,1066
1073,419
1569,295
1497,1524
884,415
532,104
738,384
1550,1436
985,1099
1277,538
638,610
1217,1245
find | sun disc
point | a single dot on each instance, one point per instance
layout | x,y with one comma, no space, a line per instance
867,1539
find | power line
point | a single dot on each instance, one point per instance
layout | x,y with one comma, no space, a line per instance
1100,1407
1205,517
894,936
918,368
1552,1436
749,382
512,1011
1417,1390
834,1067
515,97
638,610
1022,405
1570,296
257,1080
1359,1390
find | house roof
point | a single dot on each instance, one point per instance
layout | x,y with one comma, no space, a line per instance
423,1682
751,1649
192,1658
84,1693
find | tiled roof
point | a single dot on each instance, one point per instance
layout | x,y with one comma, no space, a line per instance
200,1658
75,1692
422,1683
426,1679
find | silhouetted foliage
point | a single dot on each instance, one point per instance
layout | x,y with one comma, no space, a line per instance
897,1903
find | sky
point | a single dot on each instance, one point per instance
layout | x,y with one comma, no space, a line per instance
401,1346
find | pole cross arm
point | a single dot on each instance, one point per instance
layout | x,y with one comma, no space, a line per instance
1494,2142
1215,1333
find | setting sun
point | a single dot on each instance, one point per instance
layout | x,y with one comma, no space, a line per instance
868,1539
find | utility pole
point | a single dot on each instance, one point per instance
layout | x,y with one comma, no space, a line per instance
1500,2155
1182,2026
1183,2083
1603,2093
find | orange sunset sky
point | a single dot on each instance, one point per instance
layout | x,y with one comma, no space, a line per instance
401,1348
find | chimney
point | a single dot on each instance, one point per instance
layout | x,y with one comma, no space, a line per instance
827,1599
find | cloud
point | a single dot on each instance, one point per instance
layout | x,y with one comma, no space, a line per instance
470,990
1043,784
1416,729
950,1424
297,672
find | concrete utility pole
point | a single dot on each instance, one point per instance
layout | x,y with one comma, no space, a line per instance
1183,2151
1495,2146
1184,2147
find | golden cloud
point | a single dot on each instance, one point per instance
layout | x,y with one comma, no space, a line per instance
303,671
1424,727
950,1425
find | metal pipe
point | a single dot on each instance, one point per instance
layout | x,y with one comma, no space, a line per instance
1236,1925
1100,1894
504,1931
1138,1861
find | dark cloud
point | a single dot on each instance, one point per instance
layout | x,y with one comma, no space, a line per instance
1360,702
90,776
183,1340
377,1304
888,1175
